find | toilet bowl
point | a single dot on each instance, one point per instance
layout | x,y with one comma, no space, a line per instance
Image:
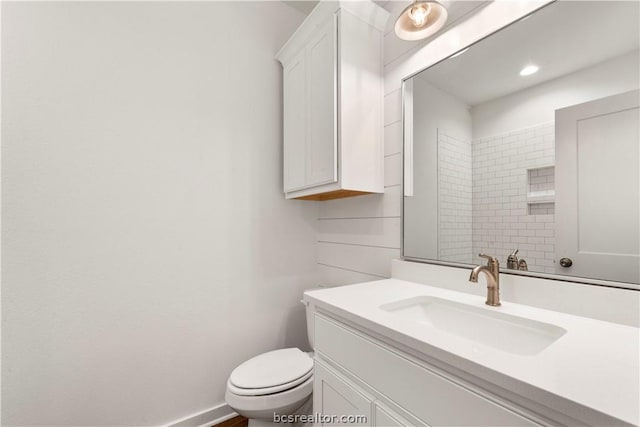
278,382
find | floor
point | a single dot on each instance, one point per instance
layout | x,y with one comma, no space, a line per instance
238,421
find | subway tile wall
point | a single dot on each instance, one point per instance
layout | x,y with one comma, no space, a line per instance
454,199
504,167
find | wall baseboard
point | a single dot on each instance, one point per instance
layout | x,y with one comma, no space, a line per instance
206,418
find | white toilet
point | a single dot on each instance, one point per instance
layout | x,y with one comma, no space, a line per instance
280,382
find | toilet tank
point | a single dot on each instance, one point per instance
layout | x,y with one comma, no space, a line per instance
309,309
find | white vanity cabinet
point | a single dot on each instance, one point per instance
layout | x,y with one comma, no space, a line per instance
357,375
342,402
333,103
334,395
390,349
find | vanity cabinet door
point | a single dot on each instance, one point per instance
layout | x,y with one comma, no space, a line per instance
335,397
383,416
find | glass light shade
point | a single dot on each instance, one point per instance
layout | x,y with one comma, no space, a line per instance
420,20
419,14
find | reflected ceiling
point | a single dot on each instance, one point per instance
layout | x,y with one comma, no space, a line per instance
528,43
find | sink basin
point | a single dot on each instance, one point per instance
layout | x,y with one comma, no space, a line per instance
490,327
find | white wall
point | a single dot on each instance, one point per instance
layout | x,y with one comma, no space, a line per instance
434,111
147,246
537,104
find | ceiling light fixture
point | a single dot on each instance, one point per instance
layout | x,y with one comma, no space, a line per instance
420,20
528,70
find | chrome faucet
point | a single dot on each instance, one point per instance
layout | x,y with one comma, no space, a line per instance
492,271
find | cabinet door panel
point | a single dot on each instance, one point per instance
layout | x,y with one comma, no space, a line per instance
321,105
335,397
385,417
295,152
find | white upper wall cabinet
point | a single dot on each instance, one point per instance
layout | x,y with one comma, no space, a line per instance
333,103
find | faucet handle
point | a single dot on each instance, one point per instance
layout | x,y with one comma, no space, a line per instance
489,258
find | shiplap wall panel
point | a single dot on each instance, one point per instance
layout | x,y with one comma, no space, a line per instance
393,138
392,107
336,276
392,170
359,236
382,232
372,206
393,44
363,259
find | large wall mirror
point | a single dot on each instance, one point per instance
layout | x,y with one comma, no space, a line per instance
527,144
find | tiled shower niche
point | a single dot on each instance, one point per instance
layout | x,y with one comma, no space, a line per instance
541,191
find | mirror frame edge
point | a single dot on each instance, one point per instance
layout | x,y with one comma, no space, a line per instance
405,161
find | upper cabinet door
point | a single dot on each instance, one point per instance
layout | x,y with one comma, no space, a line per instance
295,140
322,106
333,148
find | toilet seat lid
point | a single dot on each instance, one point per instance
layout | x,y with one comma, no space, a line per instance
272,369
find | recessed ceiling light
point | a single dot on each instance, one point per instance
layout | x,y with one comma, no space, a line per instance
528,70
460,53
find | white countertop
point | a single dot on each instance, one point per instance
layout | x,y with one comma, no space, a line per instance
595,364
